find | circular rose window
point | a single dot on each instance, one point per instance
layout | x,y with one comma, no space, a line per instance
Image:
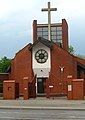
41,56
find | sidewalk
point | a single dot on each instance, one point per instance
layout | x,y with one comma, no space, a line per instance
43,103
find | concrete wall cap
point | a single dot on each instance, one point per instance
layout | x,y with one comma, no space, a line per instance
69,76
9,81
25,78
78,80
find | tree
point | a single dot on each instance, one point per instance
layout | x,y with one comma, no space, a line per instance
71,49
4,64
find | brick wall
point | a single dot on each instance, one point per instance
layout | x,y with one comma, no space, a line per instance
22,67
61,59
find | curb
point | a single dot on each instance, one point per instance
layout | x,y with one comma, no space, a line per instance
42,108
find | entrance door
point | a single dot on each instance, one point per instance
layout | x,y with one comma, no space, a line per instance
41,85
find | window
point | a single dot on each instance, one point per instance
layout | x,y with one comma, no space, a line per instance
39,33
56,33
41,56
59,33
54,40
53,33
45,28
59,41
53,37
46,37
53,28
59,28
45,33
59,37
39,29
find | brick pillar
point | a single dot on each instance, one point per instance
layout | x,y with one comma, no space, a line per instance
34,30
9,89
65,34
78,89
25,88
47,88
69,90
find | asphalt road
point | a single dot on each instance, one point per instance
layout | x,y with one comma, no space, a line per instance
25,114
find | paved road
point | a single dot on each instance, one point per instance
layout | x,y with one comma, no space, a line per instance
24,114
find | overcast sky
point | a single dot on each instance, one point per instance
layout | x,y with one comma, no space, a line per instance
16,17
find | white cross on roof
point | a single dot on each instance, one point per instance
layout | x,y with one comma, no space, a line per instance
49,9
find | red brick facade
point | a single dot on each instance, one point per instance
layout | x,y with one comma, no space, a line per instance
22,67
62,65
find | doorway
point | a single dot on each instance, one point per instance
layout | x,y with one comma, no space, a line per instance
41,85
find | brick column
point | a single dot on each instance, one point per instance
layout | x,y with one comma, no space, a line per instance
78,89
69,90
34,30
47,88
25,88
9,89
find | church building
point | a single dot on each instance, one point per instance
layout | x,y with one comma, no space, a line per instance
41,68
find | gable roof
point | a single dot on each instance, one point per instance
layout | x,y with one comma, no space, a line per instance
43,41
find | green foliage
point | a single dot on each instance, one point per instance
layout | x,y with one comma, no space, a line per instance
71,49
4,64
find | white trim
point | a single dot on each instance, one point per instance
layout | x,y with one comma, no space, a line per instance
42,70
36,85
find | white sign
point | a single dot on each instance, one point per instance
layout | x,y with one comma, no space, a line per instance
25,88
25,77
69,87
50,86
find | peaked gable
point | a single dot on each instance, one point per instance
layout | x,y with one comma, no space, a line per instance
43,41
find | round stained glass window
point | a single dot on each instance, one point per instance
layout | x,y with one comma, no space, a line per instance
41,56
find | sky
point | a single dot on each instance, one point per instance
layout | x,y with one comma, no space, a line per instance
16,18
